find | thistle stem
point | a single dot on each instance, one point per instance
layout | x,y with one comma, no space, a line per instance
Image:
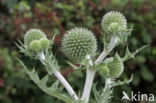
88,85
60,78
107,82
65,84
110,48
91,73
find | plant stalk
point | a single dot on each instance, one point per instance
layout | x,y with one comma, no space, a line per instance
60,78
88,85
91,73
65,84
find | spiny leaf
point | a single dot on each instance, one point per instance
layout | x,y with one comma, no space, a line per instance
108,60
95,92
44,80
25,68
141,48
106,96
129,55
51,62
117,83
53,92
52,40
72,65
54,86
20,46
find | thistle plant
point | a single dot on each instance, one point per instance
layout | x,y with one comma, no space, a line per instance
79,45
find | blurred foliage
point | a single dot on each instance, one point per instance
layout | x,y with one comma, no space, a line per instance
57,16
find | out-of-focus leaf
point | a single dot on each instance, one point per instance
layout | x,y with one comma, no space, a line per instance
146,74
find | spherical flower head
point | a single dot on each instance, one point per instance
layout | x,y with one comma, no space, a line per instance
44,43
35,46
77,43
33,34
115,67
114,23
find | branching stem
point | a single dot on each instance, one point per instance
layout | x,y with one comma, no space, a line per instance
91,73
60,78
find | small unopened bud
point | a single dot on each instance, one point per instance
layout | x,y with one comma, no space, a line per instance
104,71
35,46
44,43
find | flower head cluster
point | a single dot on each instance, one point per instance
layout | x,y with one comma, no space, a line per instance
35,40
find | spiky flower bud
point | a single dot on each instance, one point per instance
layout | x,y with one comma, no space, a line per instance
33,34
35,41
44,43
116,67
104,71
35,46
114,23
77,43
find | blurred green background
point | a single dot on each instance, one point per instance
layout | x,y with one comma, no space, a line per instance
58,16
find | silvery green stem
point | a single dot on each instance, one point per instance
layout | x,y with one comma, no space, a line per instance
89,80
112,43
42,57
91,73
107,82
65,84
88,84
90,61
110,47
60,78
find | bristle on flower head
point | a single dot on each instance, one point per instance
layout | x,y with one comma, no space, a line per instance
77,43
114,23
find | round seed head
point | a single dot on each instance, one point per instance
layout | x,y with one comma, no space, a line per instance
116,67
77,43
114,23
35,46
44,43
33,34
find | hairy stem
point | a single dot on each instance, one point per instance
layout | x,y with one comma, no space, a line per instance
60,78
91,73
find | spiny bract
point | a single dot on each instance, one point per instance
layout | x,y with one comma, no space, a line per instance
33,34
114,23
116,67
77,43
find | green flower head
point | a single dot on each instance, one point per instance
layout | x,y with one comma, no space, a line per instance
45,43
116,67
35,46
36,41
114,23
77,43
33,34
104,71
